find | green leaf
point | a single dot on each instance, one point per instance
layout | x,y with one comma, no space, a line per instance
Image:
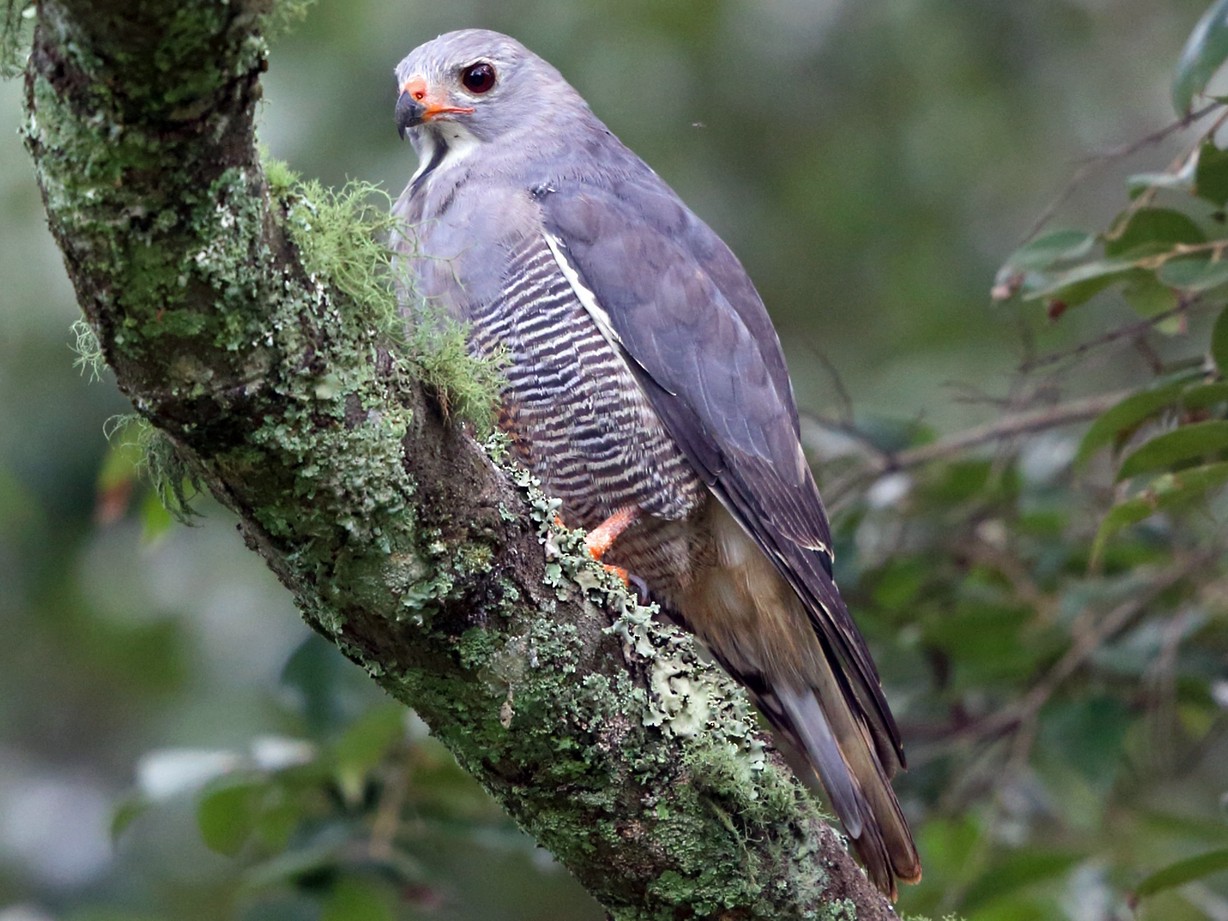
356,900
1182,181
1205,396
1194,274
989,642
1182,447
324,853
1219,342
1211,174
129,810
1170,491
366,743
1150,298
156,521
1087,733
1203,827
1017,870
227,813
1205,50
1150,231
1122,420
314,671
1049,249
1074,286
279,818
1182,872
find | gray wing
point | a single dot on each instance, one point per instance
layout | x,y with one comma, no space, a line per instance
695,332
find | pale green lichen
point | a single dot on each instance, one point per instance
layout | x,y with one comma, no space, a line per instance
340,237
278,175
88,349
16,28
341,240
158,462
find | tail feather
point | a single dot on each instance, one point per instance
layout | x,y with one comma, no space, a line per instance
838,748
771,614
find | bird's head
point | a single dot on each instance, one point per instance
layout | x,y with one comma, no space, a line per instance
473,85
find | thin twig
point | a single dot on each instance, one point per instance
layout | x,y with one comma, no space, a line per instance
874,462
1102,160
1034,420
843,397
1148,195
882,461
1090,633
1130,330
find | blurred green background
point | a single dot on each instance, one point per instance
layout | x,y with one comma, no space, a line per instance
871,163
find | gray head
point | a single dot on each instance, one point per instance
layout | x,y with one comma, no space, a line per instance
475,85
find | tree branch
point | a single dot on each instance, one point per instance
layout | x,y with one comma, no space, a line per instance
402,541
1012,426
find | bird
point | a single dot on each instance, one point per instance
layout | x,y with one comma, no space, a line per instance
645,386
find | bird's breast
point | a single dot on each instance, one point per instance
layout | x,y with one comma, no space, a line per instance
580,421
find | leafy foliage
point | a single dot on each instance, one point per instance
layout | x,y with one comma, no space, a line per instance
1205,51
1107,679
345,815
1168,262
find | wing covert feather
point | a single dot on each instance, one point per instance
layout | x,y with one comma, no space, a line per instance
700,341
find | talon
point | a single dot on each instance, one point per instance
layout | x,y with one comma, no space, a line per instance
642,595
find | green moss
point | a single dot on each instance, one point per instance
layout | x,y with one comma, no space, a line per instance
280,178
467,386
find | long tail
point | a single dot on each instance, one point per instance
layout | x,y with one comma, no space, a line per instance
771,614
821,724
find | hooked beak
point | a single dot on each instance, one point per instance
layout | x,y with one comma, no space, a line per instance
417,105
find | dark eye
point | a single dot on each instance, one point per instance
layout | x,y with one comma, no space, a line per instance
478,78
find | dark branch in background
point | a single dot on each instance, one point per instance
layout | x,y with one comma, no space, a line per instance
257,350
880,462
1129,330
1008,427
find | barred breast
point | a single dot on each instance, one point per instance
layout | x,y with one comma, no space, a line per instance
580,422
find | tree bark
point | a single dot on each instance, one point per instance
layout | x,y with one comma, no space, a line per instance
433,566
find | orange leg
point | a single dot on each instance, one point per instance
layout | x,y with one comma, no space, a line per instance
602,537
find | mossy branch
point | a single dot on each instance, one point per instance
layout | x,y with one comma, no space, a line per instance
247,318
